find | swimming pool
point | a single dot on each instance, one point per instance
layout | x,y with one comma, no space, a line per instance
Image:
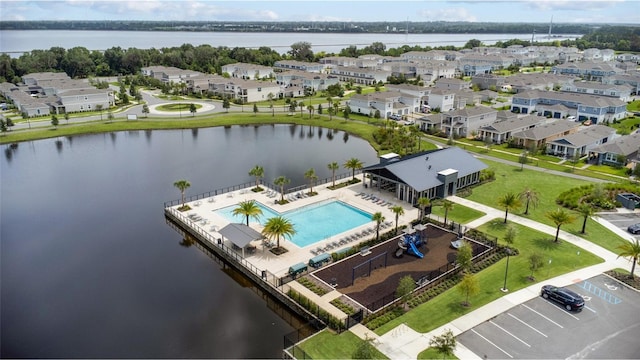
313,222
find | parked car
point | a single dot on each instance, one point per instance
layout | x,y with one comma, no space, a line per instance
567,298
634,229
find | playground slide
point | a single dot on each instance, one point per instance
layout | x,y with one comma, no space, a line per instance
415,250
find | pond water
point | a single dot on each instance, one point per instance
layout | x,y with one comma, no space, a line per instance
89,266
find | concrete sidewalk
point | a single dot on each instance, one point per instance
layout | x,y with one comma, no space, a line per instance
403,342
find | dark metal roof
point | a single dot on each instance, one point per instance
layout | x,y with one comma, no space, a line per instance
420,171
240,234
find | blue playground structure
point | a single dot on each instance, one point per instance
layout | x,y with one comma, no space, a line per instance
410,243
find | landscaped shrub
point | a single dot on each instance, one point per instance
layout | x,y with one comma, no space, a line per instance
572,198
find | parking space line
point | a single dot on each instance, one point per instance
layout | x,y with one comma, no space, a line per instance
505,330
562,310
607,296
553,322
590,309
490,342
531,327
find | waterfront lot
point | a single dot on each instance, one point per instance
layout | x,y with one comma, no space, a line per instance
606,328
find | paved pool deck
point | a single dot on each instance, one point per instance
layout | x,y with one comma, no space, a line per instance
279,265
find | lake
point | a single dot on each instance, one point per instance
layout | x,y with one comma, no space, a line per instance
20,41
89,267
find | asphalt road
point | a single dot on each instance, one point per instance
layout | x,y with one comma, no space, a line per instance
607,328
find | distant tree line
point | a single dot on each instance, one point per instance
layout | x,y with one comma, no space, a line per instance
79,62
427,27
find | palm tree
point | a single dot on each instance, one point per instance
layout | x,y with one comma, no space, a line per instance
560,217
310,110
311,175
330,108
379,219
333,167
182,185
270,97
257,172
281,181
276,227
397,210
631,250
423,202
509,201
248,209
529,196
446,205
353,164
585,210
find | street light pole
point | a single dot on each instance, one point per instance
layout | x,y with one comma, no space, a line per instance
506,270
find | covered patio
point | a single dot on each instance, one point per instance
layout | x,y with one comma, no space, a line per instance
241,236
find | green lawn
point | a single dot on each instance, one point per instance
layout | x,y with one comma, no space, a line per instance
431,353
329,345
459,213
564,256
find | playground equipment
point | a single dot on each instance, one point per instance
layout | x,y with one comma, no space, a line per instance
410,244
319,260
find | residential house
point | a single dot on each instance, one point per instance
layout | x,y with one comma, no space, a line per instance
442,99
581,142
628,57
622,92
200,84
539,136
360,76
387,103
596,108
500,131
300,65
169,74
631,79
467,121
248,71
594,71
594,54
248,91
536,81
488,81
431,174
76,100
452,84
430,123
34,78
617,152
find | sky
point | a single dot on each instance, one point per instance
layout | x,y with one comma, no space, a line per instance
531,11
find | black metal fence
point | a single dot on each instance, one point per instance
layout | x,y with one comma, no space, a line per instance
246,185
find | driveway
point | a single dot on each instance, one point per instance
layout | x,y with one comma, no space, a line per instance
622,220
606,329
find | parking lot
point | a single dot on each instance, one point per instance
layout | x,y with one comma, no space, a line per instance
607,328
622,220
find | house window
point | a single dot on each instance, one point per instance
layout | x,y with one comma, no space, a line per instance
259,89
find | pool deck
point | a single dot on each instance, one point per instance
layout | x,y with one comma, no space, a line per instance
279,265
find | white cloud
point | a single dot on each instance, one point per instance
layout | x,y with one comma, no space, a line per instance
448,14
561,5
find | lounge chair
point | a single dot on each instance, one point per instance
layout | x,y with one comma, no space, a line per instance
314,251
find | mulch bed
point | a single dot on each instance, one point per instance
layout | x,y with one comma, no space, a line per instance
383,281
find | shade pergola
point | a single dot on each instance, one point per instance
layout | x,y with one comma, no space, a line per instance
240,235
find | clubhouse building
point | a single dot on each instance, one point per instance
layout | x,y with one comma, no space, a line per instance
431,174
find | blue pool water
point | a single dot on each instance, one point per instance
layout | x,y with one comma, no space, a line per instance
313,222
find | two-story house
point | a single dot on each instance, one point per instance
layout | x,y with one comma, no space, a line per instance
467,121
538,136
581,142
500,131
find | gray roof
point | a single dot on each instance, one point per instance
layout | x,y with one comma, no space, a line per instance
624,145
514,124
420,171
586,136
240,234
546,130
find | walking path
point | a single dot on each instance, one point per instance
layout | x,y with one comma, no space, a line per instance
402,342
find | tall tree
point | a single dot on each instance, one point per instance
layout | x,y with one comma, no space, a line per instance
311,175
586,210
301,51
447,206
529,196
182,185
465,256
559,217
277,227
397,211
406,285
270,97
281,181
145,110
423,202
248,208
257,172
255,108
631,250
469,286
353,164
226,104
379,219
330,107
333,166
193,109
509,201
54,121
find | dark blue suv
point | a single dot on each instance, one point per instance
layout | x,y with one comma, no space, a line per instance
567,298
